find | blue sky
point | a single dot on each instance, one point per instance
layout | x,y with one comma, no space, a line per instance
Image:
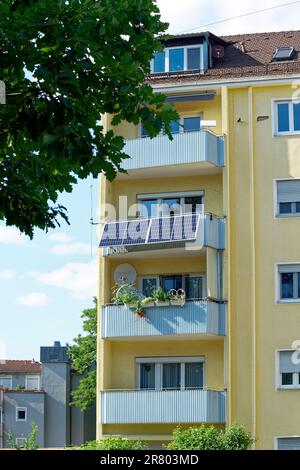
46,283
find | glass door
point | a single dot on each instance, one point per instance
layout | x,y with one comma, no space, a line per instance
171,282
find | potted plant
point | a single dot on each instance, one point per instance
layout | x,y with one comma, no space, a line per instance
139,311
162,299
148,302
125,294
177,297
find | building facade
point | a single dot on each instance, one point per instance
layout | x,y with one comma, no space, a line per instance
39,392
228,189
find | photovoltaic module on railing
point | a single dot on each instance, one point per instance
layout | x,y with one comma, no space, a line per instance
149,231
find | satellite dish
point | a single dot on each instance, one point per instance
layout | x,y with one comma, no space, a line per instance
125,274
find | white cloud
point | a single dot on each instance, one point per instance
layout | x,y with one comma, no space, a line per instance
35,299
7,274
76,248
11,235
60,237
79,279
189,14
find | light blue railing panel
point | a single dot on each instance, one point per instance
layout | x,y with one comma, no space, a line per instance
162,406
195,317
192,147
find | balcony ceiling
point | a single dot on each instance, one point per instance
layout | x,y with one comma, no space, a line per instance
191,169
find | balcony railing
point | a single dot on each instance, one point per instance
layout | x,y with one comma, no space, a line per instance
162,406
193,231
192,147
196,317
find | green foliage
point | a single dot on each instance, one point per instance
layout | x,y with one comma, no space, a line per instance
113,443
235,437
125,294
64,64
160,295
83,355
30,442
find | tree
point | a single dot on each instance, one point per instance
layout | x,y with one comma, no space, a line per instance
65,63
83,355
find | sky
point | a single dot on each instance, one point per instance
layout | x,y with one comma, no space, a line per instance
47,282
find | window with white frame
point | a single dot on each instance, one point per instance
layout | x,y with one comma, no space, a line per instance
170,373
288,197
32,382
21,413
177,59
192,284
288,443
183,125
156,205
289,283
287,117
289,370
5,382
20,441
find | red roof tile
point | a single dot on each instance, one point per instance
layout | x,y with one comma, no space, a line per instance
19,367
246,55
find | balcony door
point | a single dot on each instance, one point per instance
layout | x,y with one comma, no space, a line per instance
172,373
170,204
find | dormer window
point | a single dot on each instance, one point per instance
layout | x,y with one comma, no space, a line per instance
178,59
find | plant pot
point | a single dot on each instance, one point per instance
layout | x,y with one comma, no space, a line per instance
130,306
162,304
149,304
178,303
140,314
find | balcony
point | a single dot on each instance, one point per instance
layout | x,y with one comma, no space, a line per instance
202,150
196,317
162,406
190,231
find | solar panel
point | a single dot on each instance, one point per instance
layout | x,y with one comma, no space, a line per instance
136,233
284,53
113,234
150,231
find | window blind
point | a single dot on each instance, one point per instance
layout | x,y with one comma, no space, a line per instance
288,191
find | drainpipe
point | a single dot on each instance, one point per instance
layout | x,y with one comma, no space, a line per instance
253,266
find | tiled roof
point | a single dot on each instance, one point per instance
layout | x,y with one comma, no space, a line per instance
246,55
19,367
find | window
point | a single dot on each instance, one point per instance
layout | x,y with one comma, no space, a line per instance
170,373
32,382
176,59
151,206
185,124
21,414
284,53
289,283
20,441
5,381
193,58
159,62
288,443
287,114
192,284
288,197
148,285
192,124
289,371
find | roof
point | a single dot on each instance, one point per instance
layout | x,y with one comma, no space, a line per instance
246,55
19,367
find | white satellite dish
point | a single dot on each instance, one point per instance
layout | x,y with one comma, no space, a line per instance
125,274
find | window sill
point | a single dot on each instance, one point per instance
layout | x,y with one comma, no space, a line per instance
288,301
286,134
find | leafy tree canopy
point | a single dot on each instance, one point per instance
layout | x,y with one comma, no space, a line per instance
83,355
65,63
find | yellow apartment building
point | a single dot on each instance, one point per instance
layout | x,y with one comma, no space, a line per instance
213,224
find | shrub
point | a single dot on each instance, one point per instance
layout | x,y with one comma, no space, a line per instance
235,437
113,443
30,442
